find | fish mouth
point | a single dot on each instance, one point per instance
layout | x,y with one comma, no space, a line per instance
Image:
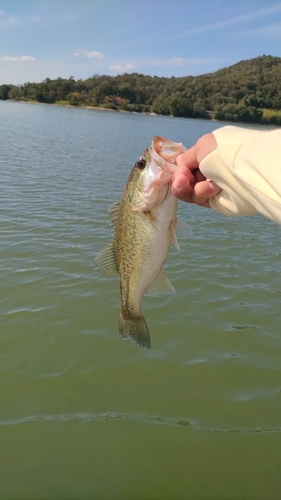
164,152
161,165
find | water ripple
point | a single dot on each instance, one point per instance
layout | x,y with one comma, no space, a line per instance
151,419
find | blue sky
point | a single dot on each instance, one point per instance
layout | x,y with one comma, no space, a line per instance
50,38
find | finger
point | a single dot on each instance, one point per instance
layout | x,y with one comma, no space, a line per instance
189,158
182,185
203,191
198,176
205,145
193,156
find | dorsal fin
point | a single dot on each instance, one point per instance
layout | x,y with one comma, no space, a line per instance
105,261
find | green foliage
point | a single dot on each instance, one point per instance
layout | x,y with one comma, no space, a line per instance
248,91
238,113
4,92
75,99
161,106
271,116
181,106
62,102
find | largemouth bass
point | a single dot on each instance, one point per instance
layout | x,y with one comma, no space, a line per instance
145,223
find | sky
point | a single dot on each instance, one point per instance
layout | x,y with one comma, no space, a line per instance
42,39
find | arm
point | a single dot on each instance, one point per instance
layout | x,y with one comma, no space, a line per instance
246,165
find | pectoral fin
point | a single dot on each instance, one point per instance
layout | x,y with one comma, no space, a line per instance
105,261
174,239
161,285
180,228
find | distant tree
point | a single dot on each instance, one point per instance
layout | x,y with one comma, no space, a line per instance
181,106
238,113
75,98
15,93
106,86
4,91
161,106
126,91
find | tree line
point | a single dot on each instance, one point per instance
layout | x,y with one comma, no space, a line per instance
248,91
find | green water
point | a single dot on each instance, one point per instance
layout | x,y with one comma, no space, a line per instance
84,414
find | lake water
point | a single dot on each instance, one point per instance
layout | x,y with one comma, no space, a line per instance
84,414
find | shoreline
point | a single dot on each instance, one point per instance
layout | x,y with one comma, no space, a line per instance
101,108
95,108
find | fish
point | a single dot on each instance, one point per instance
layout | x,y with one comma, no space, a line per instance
145,224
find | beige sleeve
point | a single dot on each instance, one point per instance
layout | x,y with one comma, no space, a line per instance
247,166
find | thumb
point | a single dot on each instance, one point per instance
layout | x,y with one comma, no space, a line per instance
205,190
214,189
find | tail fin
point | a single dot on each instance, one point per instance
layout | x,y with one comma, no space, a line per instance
136,329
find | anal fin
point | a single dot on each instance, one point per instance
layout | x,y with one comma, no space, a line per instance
161,285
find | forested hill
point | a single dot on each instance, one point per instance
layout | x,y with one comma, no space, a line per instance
249,91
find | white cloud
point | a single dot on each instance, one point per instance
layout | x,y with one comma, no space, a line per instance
271,31
1,13
179,61
122,68
18,59
8,22
172,61
93,54
230,22
142,62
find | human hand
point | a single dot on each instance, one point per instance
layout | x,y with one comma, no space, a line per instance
189,184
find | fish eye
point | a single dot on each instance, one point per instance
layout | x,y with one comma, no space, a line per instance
141,163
